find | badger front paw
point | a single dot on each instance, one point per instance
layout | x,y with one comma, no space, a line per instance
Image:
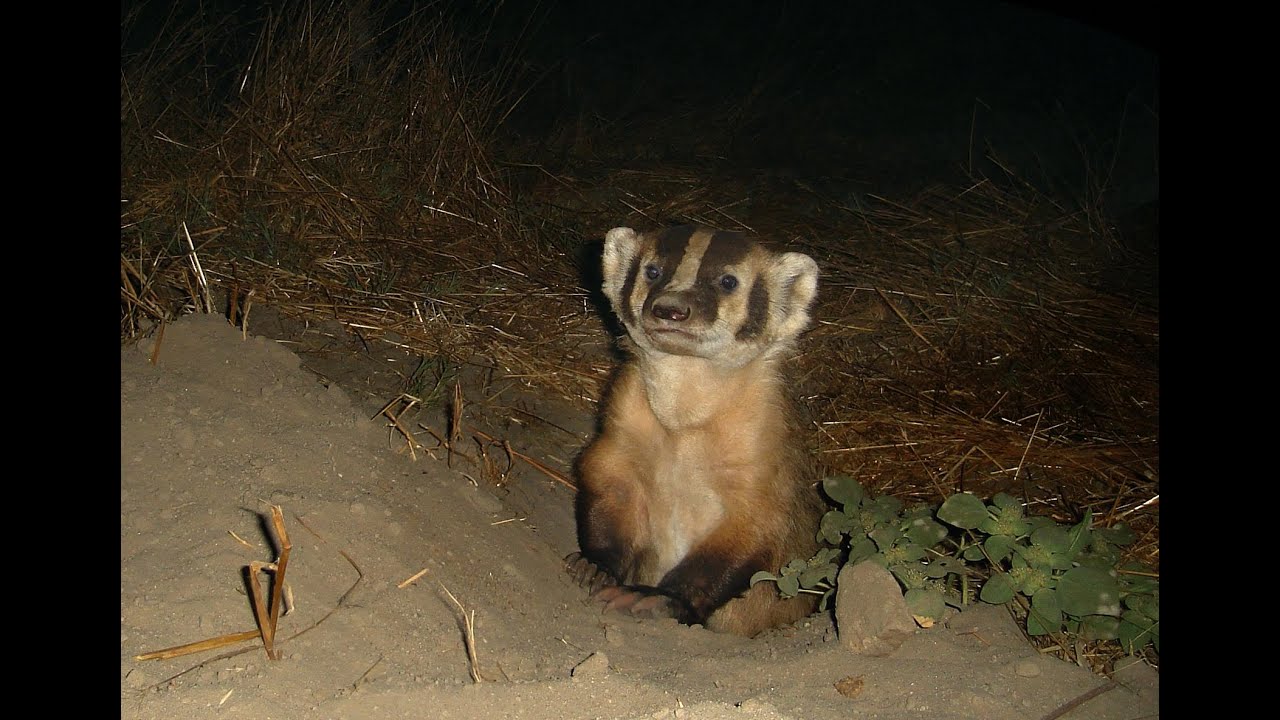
643,602
587,574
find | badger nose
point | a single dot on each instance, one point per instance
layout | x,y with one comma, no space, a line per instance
673,313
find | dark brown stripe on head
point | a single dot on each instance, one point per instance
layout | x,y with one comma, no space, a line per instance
757,313
628,287
672,243
725,248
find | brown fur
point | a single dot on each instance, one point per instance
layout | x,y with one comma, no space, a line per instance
698,479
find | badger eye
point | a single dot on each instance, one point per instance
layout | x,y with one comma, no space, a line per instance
728,283
652,272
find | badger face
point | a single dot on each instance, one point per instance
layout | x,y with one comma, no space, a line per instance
706,293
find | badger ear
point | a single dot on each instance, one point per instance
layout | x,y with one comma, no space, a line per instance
620,247
794,277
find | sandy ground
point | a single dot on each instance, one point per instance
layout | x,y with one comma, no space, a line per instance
221,427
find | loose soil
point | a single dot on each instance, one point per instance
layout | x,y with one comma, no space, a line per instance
221,426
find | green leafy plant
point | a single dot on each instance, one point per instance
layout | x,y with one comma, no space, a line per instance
1069,579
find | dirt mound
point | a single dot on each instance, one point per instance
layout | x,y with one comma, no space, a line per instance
220,427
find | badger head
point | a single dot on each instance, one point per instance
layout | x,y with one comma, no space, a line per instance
706,293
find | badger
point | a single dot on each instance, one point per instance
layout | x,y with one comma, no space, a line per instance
698,476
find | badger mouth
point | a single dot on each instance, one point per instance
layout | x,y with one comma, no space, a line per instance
675,340
690,332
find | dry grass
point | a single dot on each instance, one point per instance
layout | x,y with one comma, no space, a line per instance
967,339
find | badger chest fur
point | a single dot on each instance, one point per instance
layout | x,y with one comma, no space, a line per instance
697,479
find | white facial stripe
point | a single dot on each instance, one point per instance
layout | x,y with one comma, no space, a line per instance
687,273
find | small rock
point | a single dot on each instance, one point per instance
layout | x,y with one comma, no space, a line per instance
871,615
851,686
595,666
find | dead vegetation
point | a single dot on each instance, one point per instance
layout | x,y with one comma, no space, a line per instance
342,166
266,606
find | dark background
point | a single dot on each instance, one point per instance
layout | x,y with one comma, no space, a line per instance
884,97
888,95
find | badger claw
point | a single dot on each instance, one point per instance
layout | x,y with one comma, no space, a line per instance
587,574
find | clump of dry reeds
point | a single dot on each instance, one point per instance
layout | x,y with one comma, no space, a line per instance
344,171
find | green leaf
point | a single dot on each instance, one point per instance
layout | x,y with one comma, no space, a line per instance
1089,591
1136,630
824,556
1102,550
1118,534
1006,521
844,490
1031,580
911,576
885,537
973,553
963,511
835,525
1005,500
1045,616
1148,605
812,576
1037,556
884,510
762,576
789,585
1099,627
926,603
919,511
1079,537
998,547
905,552
1096,562
793,567
1140,584
860,551
998,589
1053,538
943,566
926,532
1035,522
